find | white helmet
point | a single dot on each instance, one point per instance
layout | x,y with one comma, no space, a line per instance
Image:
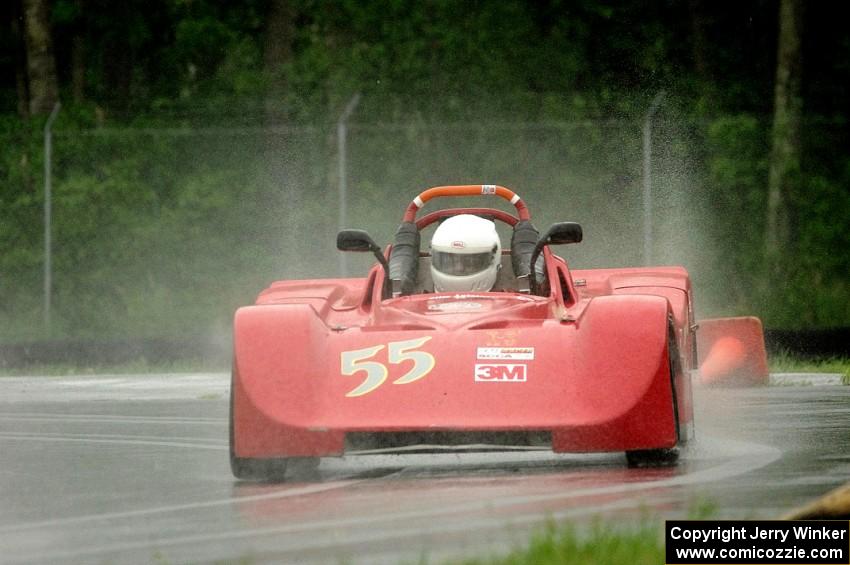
465,254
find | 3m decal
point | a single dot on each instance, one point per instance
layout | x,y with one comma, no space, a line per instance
398,352
488,189
500,373
506,353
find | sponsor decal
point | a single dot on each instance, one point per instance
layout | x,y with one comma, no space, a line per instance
506,353
488,189
502,337
458,245
500,373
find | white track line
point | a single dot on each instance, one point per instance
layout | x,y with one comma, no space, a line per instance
106,418
130,438
71,439
758,457
371,535
109,516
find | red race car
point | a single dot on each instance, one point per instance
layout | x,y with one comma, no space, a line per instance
408,359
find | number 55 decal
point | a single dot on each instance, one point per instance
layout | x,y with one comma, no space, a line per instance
376,373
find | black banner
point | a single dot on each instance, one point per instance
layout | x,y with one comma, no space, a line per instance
765,542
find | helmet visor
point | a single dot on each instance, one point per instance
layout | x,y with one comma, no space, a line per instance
461,264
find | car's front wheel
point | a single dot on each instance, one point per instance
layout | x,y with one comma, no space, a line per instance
258,469
274,469
667,457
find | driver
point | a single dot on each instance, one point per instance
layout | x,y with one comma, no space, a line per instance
465,254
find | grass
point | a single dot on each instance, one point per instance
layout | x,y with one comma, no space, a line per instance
601,543
785,363
559,544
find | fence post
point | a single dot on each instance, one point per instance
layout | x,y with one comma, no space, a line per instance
647,177
341,136
48,210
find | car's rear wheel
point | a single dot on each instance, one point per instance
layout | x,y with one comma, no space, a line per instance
273,469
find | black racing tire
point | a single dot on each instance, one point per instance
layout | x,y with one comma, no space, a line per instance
270,470
258,469
643,458
665,456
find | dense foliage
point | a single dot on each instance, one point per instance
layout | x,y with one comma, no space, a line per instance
195,154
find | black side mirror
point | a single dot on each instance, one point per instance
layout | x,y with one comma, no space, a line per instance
557,234
355,240
359,240
560,233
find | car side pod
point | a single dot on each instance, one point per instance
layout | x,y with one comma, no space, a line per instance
732,352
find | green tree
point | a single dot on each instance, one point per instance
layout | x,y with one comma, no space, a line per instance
785,153
41,64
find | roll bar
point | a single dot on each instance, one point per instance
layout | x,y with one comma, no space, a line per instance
490,213
466,190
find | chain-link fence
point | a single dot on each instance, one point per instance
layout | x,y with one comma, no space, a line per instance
167,231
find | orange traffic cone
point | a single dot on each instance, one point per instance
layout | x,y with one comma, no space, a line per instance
731,351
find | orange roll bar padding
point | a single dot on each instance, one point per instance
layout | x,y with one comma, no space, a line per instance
466,190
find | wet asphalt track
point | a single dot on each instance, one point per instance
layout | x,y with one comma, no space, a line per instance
135,470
